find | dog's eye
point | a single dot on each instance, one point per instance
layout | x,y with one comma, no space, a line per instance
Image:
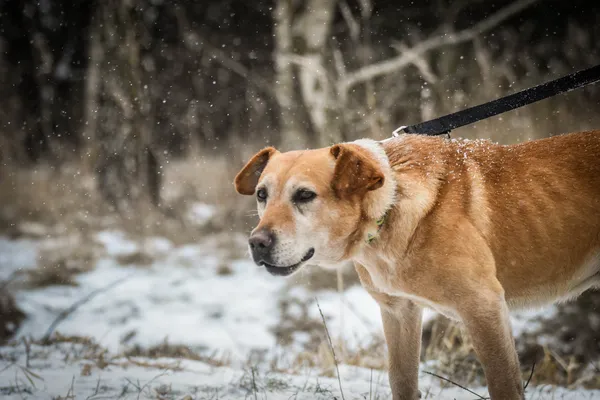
261,194
304,196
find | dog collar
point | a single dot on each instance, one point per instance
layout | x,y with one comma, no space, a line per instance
371,236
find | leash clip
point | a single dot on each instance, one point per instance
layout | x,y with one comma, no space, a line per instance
396,131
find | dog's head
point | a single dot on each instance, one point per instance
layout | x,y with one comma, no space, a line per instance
315,204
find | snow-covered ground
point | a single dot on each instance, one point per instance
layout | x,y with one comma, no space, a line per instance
75,371
182,296
196,295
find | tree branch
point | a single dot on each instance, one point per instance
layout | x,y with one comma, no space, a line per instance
353,25
65,313
396,63
306,63
419,62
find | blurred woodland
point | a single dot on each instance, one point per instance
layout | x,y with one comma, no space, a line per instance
119,87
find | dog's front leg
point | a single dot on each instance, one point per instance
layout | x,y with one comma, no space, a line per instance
402,328
486,318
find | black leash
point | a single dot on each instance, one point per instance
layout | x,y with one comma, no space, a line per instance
443,125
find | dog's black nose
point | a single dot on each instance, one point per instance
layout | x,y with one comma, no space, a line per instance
261,243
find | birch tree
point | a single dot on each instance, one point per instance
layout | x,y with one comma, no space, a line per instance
302,30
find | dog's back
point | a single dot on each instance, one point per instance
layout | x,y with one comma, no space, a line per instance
536,204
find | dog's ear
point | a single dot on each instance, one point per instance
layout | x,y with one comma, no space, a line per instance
246,180
356,172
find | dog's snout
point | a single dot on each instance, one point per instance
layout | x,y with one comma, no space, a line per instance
261,243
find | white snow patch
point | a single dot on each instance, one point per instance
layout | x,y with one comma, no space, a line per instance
116,243
16,256
529,320
201,213
354,316
157,246
192,306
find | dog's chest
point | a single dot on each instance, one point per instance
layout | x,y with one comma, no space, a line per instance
387,281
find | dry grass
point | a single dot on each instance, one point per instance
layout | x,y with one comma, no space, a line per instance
294,318
317,278
62,199
446,344
59,338
176,351
56,274
165,366
209,179
60,259
449,352
224,270
570,355
372,354
137,258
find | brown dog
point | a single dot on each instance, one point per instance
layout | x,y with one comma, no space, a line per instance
468,228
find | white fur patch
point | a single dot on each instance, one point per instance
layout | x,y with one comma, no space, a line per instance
379,201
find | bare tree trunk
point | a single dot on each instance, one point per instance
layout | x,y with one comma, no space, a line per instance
45,65
127,168
92,89
293,134
318,94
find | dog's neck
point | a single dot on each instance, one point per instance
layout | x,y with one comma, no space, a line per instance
377,203
404,202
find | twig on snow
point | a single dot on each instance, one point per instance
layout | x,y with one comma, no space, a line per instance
332,350
96,391
456,384
27,344
530,376
254,388
71,393
141,389
65,313
371,384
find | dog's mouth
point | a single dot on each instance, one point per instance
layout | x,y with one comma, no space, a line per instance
285,271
